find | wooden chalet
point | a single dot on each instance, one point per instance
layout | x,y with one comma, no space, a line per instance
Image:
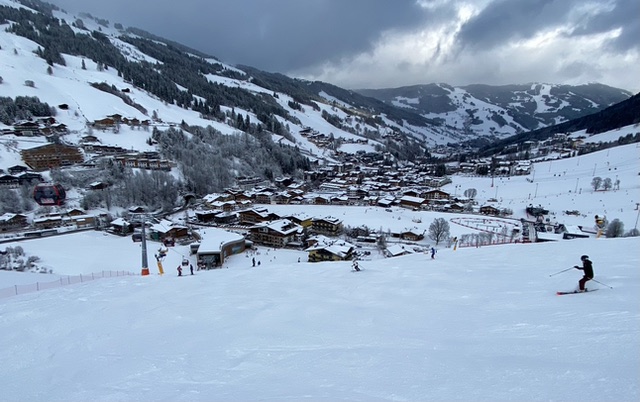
9,181
206,216
29,177
322,200
396,250
98,185
411,235
9,221
16,169
327,226
412,202
333,252
489,210
167,230
27,128
282,198
120,227
256,215
436,195
279,233
105,123
48,222
454,207
300,219
264,197
137,209
75,212
81,221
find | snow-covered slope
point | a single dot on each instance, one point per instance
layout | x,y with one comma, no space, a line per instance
68,89
471,325
501,111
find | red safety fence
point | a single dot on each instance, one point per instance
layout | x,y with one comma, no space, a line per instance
62,281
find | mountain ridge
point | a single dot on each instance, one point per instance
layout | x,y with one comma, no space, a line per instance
174,85
503,110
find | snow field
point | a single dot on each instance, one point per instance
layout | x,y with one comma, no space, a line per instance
473,324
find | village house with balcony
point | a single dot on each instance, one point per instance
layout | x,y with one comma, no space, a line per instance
278,233
256,215
51,156
9,221
410,202
327,226
330,251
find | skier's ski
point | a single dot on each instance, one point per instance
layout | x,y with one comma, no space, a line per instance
575,292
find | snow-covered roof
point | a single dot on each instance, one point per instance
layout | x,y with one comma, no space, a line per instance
396,249
212,240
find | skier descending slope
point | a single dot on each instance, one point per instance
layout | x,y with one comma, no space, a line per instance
587,267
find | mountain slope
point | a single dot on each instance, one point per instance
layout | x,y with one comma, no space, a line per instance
501,110
625,113
152,76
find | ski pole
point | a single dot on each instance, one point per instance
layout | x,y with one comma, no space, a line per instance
564,270
610,287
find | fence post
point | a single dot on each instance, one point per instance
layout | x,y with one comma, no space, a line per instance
68,280
80,278
37,286
92,276
16,286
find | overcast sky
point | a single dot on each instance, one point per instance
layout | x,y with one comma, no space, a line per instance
392,43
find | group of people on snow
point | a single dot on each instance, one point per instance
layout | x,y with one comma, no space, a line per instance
586,268
180,269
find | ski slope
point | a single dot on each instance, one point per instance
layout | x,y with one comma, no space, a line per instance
475,324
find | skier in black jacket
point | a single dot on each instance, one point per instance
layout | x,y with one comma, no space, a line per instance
587,268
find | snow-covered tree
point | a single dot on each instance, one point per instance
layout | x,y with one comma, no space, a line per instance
615,229
596,182
470,193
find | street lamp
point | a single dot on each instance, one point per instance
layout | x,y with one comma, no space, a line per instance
536,193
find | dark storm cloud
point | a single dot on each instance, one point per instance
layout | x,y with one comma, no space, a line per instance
624,15
506,20
388,43
273,35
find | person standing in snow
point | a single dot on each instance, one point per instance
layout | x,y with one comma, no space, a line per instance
191,268
179,270
433,253
587,268
355,266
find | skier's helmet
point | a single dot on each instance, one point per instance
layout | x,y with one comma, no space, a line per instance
584,257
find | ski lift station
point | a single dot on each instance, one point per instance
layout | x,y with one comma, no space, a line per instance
216,245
